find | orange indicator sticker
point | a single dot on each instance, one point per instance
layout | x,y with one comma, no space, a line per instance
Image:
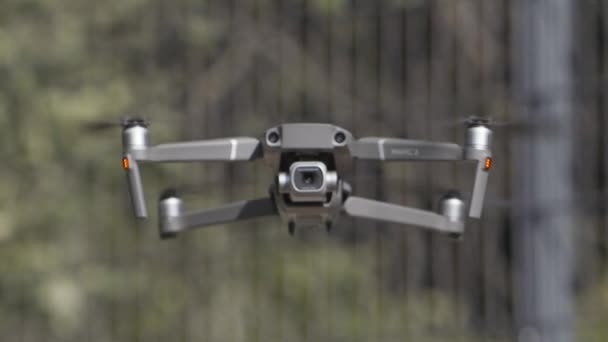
488,164
125,163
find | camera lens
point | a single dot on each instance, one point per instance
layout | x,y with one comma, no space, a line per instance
273,137
339,137
308,178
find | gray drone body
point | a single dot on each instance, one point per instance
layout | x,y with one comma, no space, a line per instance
308,161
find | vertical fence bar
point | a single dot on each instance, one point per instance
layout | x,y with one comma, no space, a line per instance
543,89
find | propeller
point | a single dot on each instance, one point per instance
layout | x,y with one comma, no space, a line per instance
511,126
486,121
473,120
105,125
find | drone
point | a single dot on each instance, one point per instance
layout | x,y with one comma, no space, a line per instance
308,161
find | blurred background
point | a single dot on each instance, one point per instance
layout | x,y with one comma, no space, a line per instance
75,265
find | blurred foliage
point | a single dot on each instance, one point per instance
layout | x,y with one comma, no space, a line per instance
75,266
593,312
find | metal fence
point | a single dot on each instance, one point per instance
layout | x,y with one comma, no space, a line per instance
406,68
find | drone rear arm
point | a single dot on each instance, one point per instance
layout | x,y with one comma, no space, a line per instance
381,211
172,221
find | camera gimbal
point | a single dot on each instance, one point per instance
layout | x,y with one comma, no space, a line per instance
308,160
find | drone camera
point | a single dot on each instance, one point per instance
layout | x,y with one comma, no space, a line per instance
308,178
307,181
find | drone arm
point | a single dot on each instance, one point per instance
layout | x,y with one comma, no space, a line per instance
390,149
172,221
381,211
484,163
229,149
136,188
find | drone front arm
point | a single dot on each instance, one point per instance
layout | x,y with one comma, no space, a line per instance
381,211
228,149
172,221
136,187
390,149
483,159
476,149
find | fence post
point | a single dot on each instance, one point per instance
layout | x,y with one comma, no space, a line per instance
542,167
